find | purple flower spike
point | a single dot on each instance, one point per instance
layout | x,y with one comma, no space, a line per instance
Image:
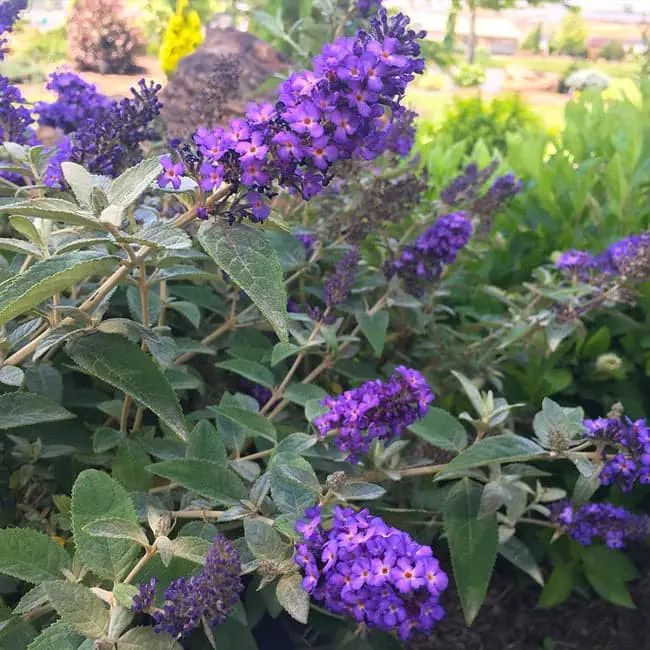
376,410
373,572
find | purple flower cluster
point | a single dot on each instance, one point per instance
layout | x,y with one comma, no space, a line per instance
373,572
348,107
576,263
338,286
378,410
108,140
632,462
466,189
615,525
15,118
615,260
9,12
308,241
209,597
76,102
145,597
423,260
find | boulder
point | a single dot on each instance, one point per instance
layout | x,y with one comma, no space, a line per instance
215,83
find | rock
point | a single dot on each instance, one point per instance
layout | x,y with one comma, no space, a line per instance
213,84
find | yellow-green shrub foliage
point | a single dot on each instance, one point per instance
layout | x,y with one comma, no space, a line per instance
182,36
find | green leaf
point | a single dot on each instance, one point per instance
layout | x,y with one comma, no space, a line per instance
46,380
53,209
296,443
188,310
40,281
359,491
302,393
472,543
283,351
144,638
78,607
607,571
505,448
293,598
23,409
264,541
250,369
128,464
232,634
516,552
95,496
28,555
124,594
441,429
294,484
193,549
556,426
161,234
558,587
471,391
203,476
130,185
80,182
374,328
290,251
26,227
19,246
117,529
314,409
120,363
15,633
59,636
205,444
11,376
105,438
245,253
254,423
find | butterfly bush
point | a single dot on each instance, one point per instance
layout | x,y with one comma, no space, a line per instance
377,410
615,525
348,107
208,597
631,463
360,566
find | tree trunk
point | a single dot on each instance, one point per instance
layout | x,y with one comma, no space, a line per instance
471,43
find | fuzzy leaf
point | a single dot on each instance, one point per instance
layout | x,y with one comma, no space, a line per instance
161,234
120,363
359,491
23,409
127,466
58,636
293,598
117,529
505,448
515,551
254,423
374,328
28,555
441,429
25,290
193,549
205,444
245,253
130,185
251,370
96,496
208,478
294,484
19,246
472,543
78,607
54,209
263,540
144,638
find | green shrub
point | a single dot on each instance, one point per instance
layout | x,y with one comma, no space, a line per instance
470,119
571,36
38,46
438,53
468,75
22,71
612,51
533,42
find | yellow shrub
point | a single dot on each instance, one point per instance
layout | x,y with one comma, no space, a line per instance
182,36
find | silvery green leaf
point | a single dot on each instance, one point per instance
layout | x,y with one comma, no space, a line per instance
113,215
161,234
11,376
80,181
78,607
471,391
130,185
293,598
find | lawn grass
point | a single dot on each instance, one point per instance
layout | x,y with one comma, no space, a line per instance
557,65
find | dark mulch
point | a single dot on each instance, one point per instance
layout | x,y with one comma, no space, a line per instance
509,620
